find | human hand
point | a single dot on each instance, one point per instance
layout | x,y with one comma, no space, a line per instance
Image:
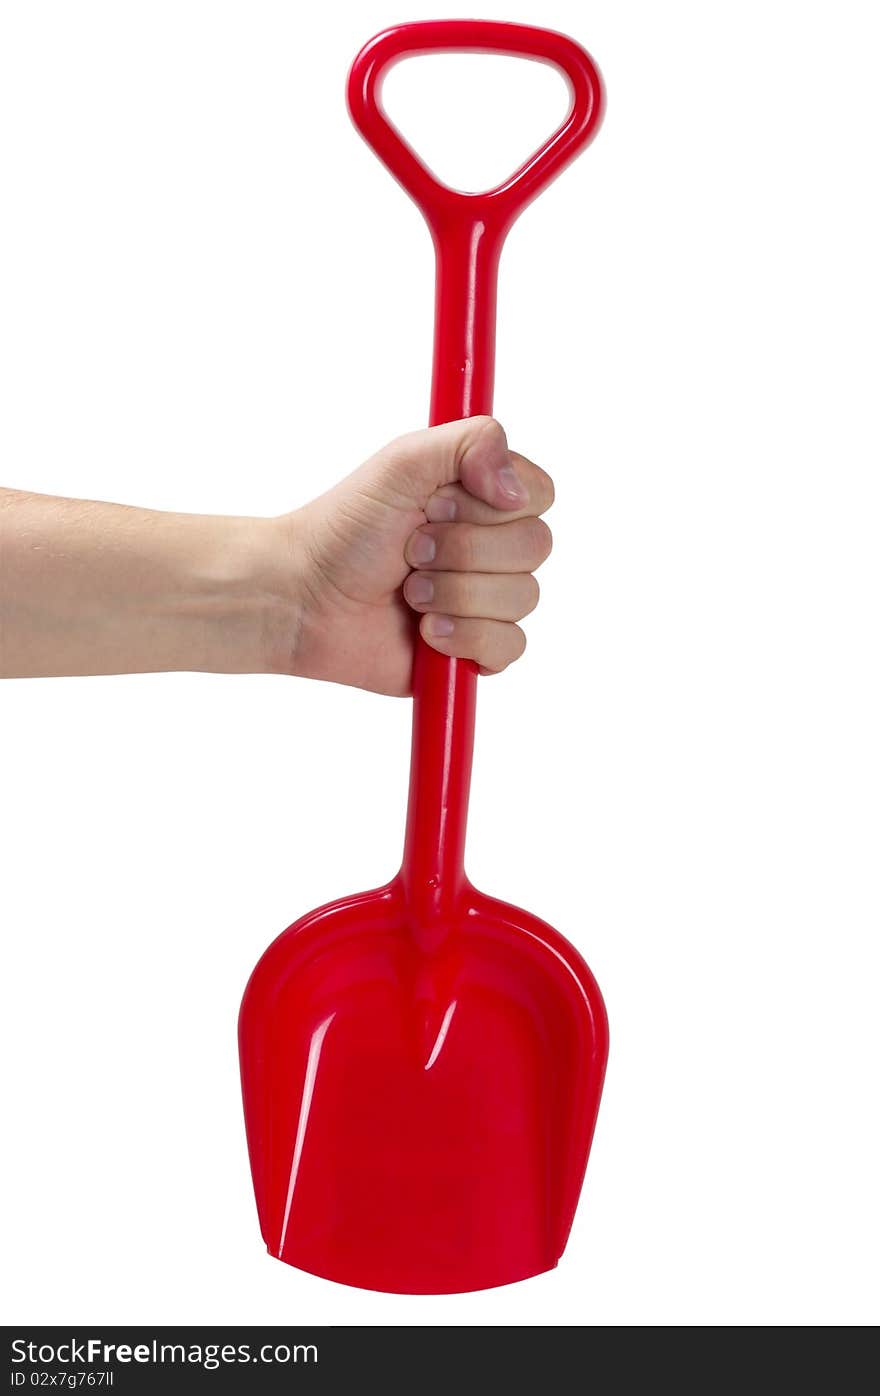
443,522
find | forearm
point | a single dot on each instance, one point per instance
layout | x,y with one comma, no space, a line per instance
94,588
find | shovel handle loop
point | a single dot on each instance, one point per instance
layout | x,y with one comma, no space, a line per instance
506,200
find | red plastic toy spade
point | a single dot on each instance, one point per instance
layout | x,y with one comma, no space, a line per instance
421,1064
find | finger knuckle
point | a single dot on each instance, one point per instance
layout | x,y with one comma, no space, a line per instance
540,540
531,596
482,648
457,594
465,548
468,594
482,429
504,644
490,426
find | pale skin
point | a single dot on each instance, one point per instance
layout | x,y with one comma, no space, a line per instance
444,523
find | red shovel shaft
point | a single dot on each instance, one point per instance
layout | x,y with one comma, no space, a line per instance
468,232
468,248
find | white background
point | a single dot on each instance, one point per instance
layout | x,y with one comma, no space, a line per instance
215,299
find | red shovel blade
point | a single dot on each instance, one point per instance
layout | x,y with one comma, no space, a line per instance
419,1115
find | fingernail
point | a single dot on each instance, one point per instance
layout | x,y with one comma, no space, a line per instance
439,509
440,625
422,548
419,588
511,485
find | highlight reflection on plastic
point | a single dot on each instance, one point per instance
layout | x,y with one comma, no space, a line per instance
422,1064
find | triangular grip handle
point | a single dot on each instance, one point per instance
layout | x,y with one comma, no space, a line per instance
502,204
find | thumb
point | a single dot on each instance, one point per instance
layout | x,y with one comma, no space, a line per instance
473,452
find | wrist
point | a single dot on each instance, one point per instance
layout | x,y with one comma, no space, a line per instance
240,602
